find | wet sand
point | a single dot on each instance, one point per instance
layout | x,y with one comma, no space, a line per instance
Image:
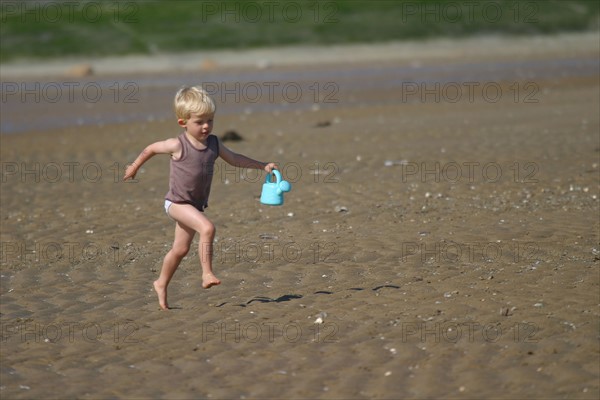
450,249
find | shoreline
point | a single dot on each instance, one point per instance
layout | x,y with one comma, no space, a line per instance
489,47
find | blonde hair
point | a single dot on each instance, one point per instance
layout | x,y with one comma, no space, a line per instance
193,100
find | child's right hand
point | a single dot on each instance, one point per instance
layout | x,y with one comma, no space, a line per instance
130,172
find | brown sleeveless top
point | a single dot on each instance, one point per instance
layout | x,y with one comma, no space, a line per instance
191,175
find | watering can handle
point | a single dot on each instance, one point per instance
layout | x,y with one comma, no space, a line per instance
277,176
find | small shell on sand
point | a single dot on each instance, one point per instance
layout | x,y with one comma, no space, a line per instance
320,318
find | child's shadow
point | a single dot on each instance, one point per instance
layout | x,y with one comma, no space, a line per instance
358,289
288,297
264,299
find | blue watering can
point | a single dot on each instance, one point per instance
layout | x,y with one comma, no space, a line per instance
272,192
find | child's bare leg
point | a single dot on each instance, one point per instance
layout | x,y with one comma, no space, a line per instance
181,245
191,217
205,249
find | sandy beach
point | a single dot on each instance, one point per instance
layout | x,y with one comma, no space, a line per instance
439,241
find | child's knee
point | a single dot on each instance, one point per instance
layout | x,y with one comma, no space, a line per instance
180,251
208,229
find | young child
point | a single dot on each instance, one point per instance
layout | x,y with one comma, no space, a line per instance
193,154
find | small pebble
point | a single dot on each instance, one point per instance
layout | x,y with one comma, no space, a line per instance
505,311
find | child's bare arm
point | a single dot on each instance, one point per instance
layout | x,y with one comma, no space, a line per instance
169,146
241,161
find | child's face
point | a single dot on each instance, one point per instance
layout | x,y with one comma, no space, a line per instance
199,126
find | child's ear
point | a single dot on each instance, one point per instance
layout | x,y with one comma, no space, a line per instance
181,122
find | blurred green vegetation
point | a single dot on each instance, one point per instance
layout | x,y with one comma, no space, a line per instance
45,29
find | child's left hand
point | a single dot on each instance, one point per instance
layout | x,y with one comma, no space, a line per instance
270,167
130,172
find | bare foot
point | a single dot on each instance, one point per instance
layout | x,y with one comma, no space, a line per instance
209,280
162,295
